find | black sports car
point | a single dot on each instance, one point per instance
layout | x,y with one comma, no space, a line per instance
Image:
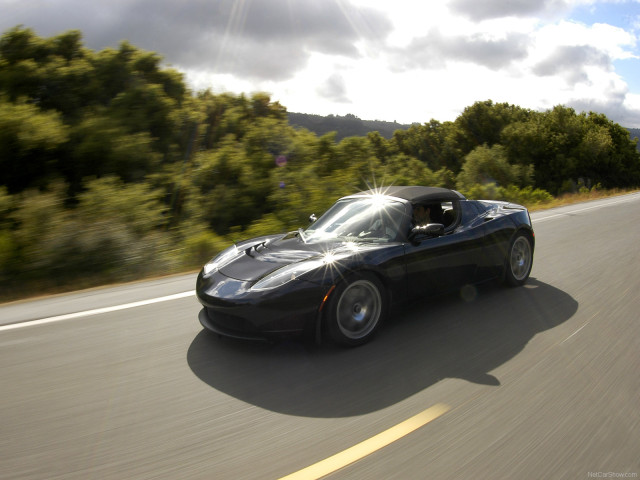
368,251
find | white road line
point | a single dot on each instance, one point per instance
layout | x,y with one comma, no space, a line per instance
579,329
625,199
97,311
574,333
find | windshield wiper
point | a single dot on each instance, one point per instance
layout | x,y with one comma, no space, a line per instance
301,234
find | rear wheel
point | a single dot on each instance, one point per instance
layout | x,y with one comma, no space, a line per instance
519,260
356,310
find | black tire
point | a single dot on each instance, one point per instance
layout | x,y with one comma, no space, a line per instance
356,309
519,260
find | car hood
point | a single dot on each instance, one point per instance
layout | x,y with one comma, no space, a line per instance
270,254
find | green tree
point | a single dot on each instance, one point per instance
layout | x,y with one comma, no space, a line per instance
486,165
483,122
30,142
54,73
432,143
7,244
404,170
141,110
611,157
101,146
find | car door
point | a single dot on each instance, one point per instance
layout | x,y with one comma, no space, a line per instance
438,264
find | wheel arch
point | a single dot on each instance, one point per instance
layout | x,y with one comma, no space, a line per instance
527,230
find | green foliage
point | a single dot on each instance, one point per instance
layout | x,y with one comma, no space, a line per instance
568,147
5,205
29,142
40,219
7,246
115,232
101,146
483,122
111,112
266,225
404,170
491,165
432,143
200,247
135,205
526,196
347,126
111,169
444,178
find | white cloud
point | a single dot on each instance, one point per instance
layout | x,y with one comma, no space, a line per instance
334,89
407,60
436,50
488,9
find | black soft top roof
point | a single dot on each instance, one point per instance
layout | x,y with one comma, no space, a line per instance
417,194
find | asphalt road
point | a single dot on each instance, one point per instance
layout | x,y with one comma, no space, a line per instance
541,381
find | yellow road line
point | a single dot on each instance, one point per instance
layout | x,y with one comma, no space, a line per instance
367,447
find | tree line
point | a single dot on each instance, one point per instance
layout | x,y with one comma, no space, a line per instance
635,134
344,126
111,168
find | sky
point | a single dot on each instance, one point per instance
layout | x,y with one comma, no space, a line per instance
408,61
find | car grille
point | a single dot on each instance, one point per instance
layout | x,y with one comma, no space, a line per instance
231,322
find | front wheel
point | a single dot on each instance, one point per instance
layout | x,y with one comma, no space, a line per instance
356,310
519,260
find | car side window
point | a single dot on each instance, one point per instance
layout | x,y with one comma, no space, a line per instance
470,213
450,215
446,213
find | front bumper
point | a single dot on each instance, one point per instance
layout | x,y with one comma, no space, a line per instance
231,309
220,329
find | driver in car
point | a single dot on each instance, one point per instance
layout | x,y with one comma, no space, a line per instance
421,215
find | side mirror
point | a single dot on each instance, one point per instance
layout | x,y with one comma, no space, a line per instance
429,230
312,218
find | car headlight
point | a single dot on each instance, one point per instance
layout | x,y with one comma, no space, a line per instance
287,274
220,260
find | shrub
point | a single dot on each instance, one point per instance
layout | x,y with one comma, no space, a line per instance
527,196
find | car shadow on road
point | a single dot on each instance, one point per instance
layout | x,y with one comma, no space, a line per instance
457,336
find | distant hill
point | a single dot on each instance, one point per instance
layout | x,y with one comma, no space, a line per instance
347,126
635,133
352,126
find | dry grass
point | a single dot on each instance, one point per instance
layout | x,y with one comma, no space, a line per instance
572,198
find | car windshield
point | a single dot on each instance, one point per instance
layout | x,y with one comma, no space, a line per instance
370,219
